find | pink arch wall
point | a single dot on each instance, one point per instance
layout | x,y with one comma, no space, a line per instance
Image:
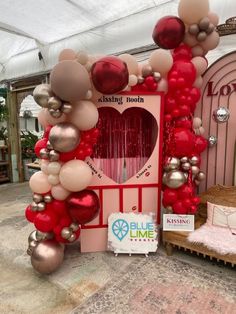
219,90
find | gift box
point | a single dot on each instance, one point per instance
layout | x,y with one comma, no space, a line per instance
127,161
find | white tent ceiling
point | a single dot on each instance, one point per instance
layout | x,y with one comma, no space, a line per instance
99,27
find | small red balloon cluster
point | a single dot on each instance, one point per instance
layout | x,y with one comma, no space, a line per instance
183,142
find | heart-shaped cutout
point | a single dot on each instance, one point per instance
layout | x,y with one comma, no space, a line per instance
126,142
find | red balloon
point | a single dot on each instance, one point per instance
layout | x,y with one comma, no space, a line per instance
170,104
186,70
195,94
110,75
183,123
47,131
30,214
200,144
193,209
182,52
39,145
83,206
67,156
45,221
170,196
169,32
59,207
196,200
185,191
187,203
178,208
184,142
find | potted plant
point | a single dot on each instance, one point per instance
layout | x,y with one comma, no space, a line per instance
3,136
28,141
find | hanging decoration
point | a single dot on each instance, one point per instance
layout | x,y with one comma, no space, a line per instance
62,202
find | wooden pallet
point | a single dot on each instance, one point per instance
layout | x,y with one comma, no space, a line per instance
178,239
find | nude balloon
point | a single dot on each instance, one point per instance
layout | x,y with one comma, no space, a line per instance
67,54
162,85
84,115
42,118
200,64
44,165
53,167
39,183
198,82
53,179
75,175
70,80
161,61
131,63
214,18
59,192
211,42
45,119
191,11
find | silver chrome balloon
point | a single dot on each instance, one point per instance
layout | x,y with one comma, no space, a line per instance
37,198
41,206
48,198
64,137
184,159
212,140
194,160
53,155
175,179
157,76
195,170
201,176
55,113
54,103
72,238
140,79
221,115
47,256
172,163
66,107
186,166
34,206
49,145
43,153
74,226
32,236
66,233
146,70
41,94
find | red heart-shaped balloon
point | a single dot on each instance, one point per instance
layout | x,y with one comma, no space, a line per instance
83,206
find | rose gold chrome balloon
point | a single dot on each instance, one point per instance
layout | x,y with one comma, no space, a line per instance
64,137
41,94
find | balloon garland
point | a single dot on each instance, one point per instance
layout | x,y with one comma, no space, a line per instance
61,201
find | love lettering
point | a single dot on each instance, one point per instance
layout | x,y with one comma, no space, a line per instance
224,90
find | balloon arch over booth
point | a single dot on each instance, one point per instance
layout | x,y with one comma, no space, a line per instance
61,202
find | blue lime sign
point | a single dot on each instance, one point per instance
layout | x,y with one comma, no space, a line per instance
132,233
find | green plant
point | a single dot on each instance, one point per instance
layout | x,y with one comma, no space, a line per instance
3,133
28,141
3,111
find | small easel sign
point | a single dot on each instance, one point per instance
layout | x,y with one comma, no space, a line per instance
132,233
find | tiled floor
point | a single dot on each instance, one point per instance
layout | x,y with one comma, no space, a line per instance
22,290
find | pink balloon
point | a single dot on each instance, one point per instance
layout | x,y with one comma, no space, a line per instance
190,40
42,118
214,18
211,41
197,51
198,82
191,11
200,64
59,193
162,85
75,175
39,183
67,54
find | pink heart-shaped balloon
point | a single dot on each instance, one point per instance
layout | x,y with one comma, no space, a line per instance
83,206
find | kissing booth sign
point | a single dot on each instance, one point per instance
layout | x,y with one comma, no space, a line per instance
102,151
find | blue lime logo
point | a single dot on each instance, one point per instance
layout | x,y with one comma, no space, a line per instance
120,228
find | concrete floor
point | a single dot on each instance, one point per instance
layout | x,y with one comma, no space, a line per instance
22,290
